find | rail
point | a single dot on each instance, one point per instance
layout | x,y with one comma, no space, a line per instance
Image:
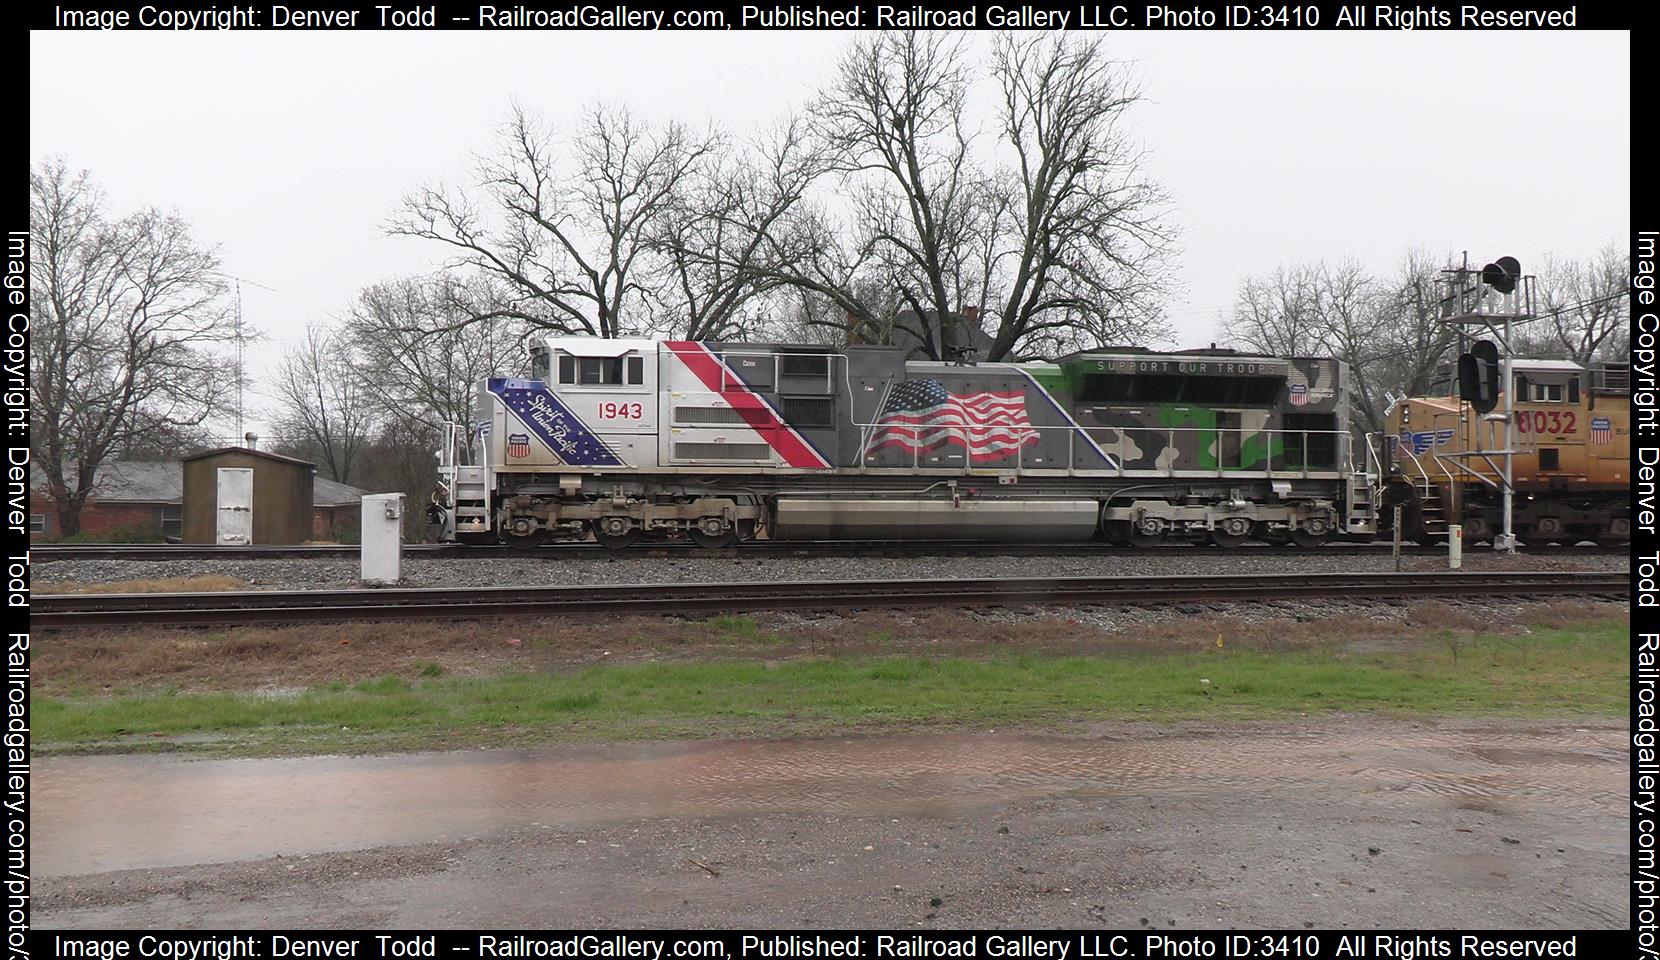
62,611
42,556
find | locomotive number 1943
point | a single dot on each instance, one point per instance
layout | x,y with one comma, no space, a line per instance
621,411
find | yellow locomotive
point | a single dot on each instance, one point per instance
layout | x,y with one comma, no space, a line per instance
1444,464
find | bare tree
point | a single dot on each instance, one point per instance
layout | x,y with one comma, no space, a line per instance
1083,237
324,408
1412,341
1387,330
894,126
1065,249
570,236
126,317
419,359
1583,305
728,237
1278,313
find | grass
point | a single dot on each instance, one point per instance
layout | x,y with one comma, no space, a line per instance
207,582
1551,671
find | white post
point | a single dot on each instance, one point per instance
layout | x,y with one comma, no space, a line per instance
1455,547
1397,538
381,533
1506,541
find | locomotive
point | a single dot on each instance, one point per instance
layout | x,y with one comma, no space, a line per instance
1571,470
627,440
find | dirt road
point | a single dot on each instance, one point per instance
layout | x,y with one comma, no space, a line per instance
1331,821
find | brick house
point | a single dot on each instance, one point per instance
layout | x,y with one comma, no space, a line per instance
336,511
132,500
139,500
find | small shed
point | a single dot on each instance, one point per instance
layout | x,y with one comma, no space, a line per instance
236,495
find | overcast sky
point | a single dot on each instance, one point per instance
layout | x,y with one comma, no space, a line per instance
290,149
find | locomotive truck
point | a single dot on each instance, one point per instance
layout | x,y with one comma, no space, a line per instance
626,440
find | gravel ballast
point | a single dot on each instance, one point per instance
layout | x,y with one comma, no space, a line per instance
340,574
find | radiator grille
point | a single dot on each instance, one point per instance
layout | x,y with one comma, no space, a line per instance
809,411
722,451
707,415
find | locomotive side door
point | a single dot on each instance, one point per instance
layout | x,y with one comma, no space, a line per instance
1228,439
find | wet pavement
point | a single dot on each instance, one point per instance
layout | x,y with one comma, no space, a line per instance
97,814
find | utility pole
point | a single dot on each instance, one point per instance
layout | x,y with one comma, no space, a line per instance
240,373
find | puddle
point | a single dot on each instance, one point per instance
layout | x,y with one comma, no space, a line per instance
93,814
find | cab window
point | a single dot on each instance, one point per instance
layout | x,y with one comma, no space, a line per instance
601,371
538,363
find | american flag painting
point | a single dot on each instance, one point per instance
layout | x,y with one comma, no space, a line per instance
1602,430
923,416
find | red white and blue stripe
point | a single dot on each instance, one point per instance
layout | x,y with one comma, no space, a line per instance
756,410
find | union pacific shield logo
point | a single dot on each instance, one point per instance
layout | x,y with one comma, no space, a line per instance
1299,394
518,445
1602,430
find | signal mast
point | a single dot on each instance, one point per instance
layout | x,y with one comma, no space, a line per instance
1493,298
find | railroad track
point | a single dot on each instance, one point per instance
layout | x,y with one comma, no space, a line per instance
760,548
295,606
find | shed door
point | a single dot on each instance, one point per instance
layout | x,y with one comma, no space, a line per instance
236,505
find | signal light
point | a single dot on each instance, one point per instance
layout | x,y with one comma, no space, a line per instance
1502,274
1478,375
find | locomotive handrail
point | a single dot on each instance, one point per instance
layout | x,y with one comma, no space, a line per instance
1341,457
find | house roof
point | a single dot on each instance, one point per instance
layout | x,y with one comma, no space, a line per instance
252,453
330,493
162,481
1546,366
129,481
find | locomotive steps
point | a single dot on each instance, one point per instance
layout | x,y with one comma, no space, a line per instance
59,611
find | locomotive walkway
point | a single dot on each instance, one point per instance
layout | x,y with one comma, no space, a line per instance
270,606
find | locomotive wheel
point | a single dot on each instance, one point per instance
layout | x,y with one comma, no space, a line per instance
713,541
1231,532
1303,538
1141,535
712,533
616,541
526,541
1116,531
